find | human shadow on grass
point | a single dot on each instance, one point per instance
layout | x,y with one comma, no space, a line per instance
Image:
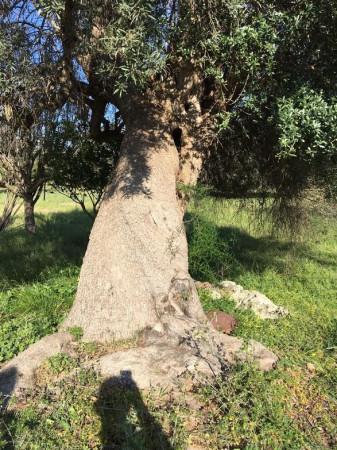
126,423
60,241
8,378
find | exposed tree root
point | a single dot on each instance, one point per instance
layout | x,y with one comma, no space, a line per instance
187,347
180,346
18,374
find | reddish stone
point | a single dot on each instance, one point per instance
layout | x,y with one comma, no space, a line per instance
221,321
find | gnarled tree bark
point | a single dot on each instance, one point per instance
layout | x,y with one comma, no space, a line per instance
136,266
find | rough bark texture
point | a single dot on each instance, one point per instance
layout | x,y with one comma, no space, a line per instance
29,214
188,348
136,266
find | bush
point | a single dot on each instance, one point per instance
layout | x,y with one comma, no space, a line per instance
209,254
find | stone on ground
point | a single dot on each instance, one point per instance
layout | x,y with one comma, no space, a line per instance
225,323
262,306
186,348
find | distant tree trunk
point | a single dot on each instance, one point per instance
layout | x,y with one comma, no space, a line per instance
29,214
135,271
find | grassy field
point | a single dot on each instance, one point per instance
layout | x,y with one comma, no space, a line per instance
292,407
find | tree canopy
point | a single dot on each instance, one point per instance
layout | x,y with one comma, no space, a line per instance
260,74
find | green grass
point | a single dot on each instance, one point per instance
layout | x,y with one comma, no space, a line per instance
38,274
292,407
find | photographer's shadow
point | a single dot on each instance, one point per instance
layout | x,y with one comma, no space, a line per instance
126,421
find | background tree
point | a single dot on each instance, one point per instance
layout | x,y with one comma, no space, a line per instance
31,127
22,159
285,132
78,166
29,65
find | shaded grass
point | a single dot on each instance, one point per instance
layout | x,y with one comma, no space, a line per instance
301,276
293,407
60,242
38,274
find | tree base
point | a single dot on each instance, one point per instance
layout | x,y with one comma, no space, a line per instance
186,348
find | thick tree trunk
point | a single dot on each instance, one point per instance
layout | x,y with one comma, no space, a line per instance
135,270
29,214
135,279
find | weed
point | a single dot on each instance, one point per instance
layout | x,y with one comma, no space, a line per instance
76,332
61,363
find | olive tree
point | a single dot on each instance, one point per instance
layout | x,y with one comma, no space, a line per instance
179,72
22,172
10,207
26,71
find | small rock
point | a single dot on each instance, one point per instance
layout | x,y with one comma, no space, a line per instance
213,291
230,286
265,359
221,321
253,352
203,285
262,306
216,294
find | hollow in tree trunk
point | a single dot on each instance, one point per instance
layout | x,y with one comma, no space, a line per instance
135,271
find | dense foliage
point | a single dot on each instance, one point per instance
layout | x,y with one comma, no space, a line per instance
267,75
78,166
280,137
